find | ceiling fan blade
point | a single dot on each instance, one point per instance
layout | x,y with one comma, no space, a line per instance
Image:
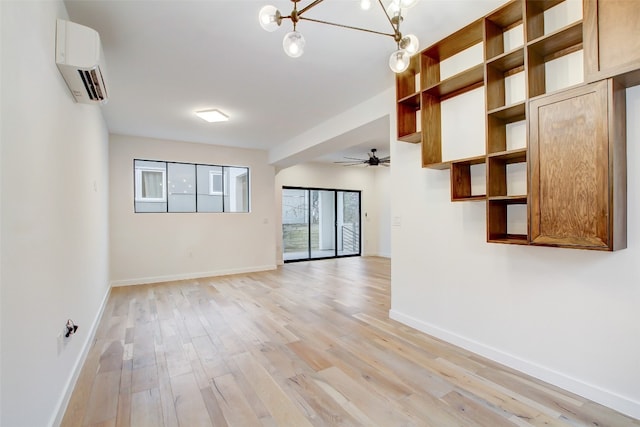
373,160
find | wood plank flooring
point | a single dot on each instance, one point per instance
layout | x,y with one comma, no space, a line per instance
309,344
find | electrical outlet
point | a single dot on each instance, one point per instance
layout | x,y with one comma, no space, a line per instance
64,336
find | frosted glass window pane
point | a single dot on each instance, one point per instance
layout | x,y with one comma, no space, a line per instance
182,187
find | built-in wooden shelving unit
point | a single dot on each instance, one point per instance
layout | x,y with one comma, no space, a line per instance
517,47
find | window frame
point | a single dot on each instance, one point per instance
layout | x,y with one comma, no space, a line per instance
220,174
206,184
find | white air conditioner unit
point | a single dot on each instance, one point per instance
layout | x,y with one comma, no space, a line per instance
80,61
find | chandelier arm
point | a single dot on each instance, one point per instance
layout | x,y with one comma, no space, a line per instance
309,6
396,30
386,13
349,27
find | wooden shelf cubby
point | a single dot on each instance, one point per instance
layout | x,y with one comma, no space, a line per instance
497,24
435,89
497,70
461,185
497,122
548,48
497,182
408,103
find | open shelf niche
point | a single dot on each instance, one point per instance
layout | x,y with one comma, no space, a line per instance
408,103
437,89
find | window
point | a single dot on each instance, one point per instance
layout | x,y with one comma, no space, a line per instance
188,187
151,185
215,182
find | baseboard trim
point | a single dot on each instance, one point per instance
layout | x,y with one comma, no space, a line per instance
592,392
77,367
188,276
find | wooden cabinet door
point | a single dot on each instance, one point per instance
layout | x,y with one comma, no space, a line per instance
612,40
572,159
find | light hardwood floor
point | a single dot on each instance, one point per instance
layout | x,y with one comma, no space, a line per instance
309,344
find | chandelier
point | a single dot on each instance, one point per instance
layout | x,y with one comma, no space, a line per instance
270,19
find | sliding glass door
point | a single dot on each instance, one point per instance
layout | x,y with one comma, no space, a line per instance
323,223
320,223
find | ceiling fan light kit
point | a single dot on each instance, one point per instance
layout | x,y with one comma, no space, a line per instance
271,18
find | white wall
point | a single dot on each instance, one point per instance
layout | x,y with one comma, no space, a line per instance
366,180
148,247
566,316
54,196
1,132
383,209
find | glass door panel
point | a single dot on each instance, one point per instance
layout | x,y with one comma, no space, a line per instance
295,224
323,224
348,223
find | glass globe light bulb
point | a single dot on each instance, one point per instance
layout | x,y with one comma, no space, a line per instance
394,8
410,43
365,4
293,44
406,4
399,61
269,18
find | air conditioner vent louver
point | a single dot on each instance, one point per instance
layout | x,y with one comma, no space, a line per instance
80,61
92,85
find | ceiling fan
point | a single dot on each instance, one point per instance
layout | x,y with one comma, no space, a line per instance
373,160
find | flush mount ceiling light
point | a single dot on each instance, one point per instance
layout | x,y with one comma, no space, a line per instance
270,19
212,116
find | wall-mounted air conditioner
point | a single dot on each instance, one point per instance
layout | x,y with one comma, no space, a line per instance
80,61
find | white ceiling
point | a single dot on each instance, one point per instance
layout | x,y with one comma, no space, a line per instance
168,58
